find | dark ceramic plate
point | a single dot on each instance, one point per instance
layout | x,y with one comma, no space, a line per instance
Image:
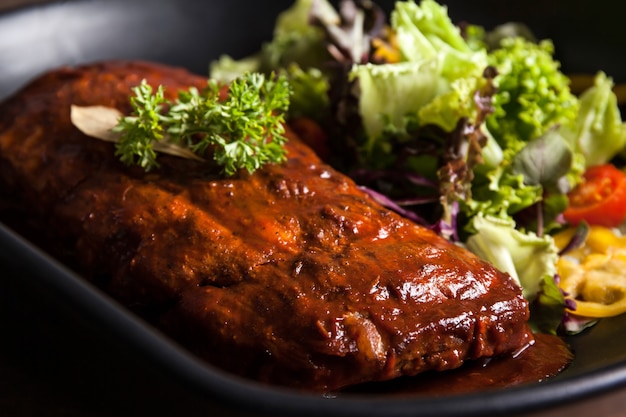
190,33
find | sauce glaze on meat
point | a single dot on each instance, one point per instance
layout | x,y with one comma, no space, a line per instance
291,275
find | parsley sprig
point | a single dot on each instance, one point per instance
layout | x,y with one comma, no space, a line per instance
243,130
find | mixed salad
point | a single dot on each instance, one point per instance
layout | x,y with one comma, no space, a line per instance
472,132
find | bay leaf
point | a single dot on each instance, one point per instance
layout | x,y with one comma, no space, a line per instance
98,122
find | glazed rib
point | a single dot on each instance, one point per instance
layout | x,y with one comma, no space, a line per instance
291,275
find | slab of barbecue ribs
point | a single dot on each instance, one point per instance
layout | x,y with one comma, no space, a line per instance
291,275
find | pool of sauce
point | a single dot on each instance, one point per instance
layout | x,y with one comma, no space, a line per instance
546,358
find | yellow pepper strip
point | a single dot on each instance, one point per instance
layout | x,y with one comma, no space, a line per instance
386,50
603,240
594,276
597,310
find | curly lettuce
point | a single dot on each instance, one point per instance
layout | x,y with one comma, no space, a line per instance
535,176
533,94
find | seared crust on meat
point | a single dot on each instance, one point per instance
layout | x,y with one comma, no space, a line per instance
291,275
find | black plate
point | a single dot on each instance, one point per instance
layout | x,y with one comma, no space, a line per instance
589,37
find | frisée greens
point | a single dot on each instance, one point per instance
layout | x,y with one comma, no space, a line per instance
470,131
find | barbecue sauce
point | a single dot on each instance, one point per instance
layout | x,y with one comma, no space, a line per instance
546,358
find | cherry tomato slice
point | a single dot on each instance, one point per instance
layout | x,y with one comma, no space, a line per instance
600,199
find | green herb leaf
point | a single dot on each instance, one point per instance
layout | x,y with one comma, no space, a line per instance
544,160
243,130
546,311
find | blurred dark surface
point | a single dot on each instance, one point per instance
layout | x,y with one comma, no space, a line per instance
52,363
588,34
55,360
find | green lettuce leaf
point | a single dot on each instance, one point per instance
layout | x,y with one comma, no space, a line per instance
493,155
446,109
310,92
392,92
598,131
294,40
425,32
227,69
548,309
435,81
544,160
528,258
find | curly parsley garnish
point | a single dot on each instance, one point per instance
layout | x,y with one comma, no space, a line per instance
243,130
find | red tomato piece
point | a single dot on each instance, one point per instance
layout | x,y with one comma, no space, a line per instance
600,199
